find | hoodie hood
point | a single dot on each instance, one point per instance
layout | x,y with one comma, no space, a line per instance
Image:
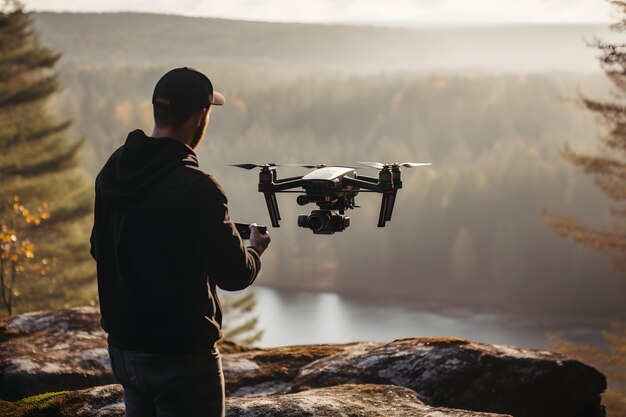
141,161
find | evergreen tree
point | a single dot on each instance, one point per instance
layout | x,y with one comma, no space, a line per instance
39,165
610,360
608,165
240,323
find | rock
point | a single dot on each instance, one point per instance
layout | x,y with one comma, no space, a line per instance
58,350
343,400
228,346
53,351
458,373
272,371
362,400
66,350
102,401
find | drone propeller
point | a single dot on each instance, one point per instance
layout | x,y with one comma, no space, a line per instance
274,166
303,165
252,166
378,165
318,166
414,164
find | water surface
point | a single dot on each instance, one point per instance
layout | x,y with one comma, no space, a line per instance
291,317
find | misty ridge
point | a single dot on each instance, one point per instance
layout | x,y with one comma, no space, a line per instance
490,107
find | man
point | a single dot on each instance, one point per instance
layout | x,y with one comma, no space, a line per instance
163,241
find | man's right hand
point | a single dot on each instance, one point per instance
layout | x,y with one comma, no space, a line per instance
258,240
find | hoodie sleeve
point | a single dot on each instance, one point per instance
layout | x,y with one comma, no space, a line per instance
92,249
230,264
92,238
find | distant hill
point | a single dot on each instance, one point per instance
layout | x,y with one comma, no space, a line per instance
288,48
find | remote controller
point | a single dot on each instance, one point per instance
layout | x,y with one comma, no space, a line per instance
244,230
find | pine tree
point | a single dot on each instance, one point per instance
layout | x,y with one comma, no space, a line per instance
39,165
608,165
239,322
611,361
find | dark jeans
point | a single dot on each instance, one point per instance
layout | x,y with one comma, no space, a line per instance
170,385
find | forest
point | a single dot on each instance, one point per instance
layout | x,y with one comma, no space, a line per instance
467,230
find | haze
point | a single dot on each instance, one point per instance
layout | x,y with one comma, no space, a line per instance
489,106
387,12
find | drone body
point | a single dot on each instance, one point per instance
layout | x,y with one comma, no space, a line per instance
329,174
333,189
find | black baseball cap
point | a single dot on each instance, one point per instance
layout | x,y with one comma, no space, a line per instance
185,90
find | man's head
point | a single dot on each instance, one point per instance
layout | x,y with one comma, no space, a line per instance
182,102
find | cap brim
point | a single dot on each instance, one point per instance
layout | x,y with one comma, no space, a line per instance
217,99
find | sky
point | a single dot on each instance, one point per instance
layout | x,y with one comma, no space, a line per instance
384,12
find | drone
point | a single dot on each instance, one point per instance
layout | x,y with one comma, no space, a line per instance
333,189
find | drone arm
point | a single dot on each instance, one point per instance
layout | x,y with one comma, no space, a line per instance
289,179
368,179
281,185
366,183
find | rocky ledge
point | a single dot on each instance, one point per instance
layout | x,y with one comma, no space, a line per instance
57,350
66,350
361,400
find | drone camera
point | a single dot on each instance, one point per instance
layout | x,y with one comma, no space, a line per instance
324,222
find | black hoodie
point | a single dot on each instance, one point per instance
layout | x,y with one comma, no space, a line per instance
163,241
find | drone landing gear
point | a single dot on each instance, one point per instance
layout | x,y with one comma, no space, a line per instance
386,207
272,208
388,183
269,185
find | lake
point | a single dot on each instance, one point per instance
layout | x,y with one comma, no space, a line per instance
291,317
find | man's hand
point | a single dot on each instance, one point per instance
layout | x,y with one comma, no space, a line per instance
259,241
